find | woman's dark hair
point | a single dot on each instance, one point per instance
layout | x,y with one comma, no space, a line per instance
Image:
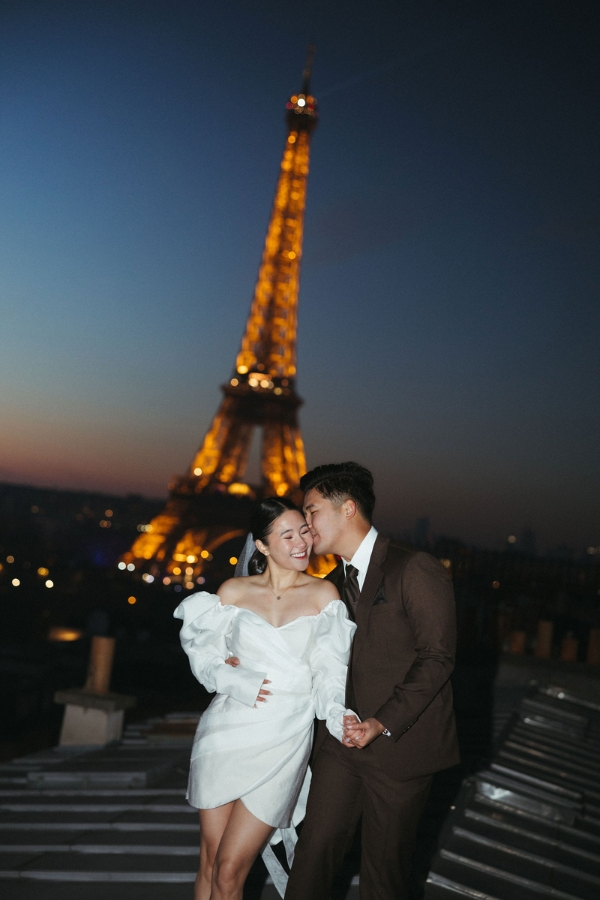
342,481
262,523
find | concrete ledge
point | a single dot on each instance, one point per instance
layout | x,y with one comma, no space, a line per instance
90,700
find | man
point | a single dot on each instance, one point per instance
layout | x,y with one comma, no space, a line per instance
398,683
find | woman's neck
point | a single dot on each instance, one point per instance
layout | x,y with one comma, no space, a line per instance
278,578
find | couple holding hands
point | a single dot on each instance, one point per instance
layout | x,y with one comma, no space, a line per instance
368,651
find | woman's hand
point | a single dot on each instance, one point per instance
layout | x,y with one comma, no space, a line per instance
360,734
232,661
262,694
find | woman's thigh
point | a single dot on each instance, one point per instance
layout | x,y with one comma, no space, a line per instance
213,823
242,840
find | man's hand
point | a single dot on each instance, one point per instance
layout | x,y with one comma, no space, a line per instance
360,734
232,661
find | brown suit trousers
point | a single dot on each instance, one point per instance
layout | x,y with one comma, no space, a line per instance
347,784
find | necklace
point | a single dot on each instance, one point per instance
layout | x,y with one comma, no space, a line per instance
281,593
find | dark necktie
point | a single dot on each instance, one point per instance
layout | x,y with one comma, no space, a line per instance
351,590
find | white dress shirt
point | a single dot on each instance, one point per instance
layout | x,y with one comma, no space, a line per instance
362,557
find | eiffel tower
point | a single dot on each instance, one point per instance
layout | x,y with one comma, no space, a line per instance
211,505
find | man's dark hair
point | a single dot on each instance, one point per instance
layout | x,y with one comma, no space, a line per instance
343,481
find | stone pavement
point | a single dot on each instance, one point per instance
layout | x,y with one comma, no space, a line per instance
111,822
527,825
114,823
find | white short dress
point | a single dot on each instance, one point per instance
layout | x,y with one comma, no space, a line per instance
259,753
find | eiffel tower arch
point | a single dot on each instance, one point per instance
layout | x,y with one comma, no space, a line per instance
211,504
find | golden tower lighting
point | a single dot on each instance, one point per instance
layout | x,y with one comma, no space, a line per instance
212,503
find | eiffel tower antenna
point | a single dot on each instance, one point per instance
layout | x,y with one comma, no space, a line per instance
308,69
212,502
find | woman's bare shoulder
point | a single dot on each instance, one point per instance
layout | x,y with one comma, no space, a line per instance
234,588
324,591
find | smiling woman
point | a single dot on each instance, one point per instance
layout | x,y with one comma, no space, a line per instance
274,646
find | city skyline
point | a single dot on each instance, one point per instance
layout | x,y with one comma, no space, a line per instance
447,319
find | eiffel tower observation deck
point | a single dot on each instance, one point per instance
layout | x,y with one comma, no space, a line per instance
211,504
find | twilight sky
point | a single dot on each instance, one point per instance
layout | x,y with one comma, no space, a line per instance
449,315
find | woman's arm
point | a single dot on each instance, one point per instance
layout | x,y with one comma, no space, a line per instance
328,661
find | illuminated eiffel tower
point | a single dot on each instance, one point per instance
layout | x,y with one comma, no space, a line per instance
212,503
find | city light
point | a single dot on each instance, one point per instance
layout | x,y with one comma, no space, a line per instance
108,513
238,487
10,559
233,560
197,471
511,539
121,566
130,567
64,634
49,583
148,578
166,580
15,582
495,584
43,571
132,600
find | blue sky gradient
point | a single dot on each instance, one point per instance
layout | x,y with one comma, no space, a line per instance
449,315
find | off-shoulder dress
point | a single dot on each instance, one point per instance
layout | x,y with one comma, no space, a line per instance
259,753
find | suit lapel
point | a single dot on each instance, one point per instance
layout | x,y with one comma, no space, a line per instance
367,595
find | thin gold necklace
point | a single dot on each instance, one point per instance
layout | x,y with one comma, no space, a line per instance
280,595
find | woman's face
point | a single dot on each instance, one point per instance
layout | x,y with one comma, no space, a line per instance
290,541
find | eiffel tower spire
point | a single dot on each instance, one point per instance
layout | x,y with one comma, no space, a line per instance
261,391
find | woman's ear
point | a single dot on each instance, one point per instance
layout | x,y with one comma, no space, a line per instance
262,547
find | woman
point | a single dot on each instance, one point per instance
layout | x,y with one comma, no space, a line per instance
286,637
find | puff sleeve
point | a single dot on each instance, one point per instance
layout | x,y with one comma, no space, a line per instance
204,633
328,661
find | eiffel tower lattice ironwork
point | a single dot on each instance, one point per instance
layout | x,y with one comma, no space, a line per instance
211,503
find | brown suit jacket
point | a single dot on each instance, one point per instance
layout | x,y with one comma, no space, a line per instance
402,658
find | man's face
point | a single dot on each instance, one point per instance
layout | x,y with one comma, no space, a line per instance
326,522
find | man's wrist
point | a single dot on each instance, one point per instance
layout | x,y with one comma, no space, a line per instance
384,730
381,728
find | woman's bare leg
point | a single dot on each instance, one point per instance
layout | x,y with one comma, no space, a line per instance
213,823
243,839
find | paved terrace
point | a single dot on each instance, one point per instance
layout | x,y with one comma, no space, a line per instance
115,824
